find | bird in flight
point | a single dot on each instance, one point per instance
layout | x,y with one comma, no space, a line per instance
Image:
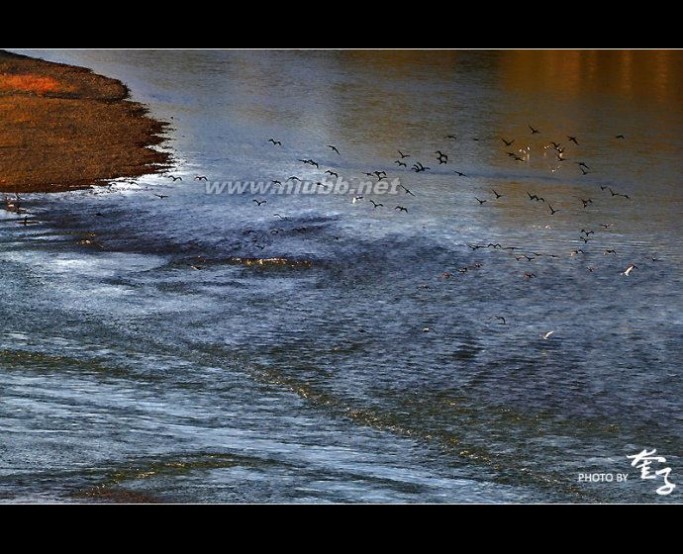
332,173
459,173
276,183
533,131
331,146
507,142
406,190
573,139
630,268
552,211
157,195
619,137
501,318
401,209
259,202
548,335
275,142
403,155
376,204
175,178
498,195
481,202
200,178
293,178
400,163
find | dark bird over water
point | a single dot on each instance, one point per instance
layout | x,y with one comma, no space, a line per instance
501,318
585,202
401,209
400,163
533,131
200,178
573,139
618,193
481,202
333,148
376,204
332,173
406,190
275,142
507,142
498,195
619,137
402,154
175,178
459,173
452,137
294,178
552,212
276,183
157,195
259,202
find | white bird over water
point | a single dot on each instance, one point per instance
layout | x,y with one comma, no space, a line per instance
630,268
548,335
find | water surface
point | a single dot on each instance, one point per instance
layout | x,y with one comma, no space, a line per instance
377,372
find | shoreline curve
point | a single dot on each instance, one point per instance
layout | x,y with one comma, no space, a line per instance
64,127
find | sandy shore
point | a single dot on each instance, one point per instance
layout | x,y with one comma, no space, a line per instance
65,127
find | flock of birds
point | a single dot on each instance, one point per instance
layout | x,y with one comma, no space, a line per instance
553,151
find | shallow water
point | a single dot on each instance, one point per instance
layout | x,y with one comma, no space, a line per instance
366,375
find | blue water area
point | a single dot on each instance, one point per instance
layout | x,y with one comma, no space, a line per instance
393,356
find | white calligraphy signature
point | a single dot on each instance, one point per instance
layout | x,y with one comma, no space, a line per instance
643,460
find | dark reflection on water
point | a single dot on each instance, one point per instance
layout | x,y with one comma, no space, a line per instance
374,370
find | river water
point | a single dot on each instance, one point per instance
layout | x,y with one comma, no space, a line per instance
399,358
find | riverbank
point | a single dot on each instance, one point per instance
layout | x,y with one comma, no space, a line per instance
64,127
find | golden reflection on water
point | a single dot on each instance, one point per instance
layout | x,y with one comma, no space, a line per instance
636,74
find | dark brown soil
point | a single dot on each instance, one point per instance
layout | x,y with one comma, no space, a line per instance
65,127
